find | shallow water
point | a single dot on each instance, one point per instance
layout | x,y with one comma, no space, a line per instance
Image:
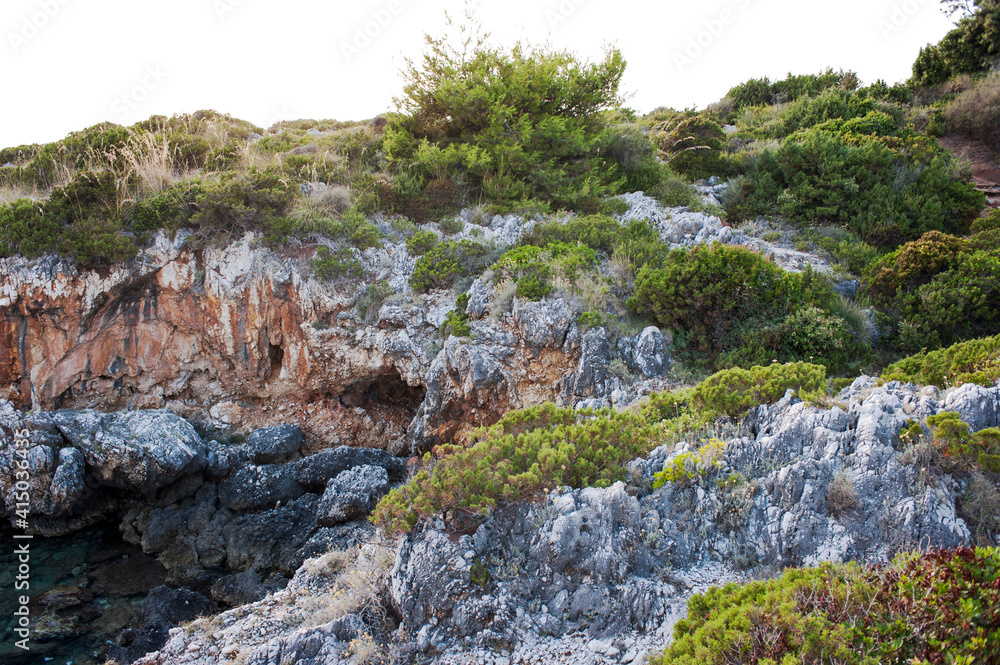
85,588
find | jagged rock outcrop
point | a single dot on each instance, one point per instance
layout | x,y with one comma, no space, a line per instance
604,561
194,506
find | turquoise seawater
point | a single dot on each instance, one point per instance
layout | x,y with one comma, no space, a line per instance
84,589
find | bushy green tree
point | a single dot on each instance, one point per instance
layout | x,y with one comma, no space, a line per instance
514,124
969,48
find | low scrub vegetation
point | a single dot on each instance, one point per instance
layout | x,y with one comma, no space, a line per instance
975,361
734,307
938,607
533,450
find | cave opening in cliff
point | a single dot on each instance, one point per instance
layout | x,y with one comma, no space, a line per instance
388,391
376,412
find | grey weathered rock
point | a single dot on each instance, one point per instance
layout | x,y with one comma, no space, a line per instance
847,288
595,558
271,539
590,377
978,406
259,487
314,471
544,323
352,494
163,609
135,450
239,589
645,354
273,444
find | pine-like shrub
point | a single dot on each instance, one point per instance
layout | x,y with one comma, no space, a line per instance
974,361
733,391
447,261
523,455
938,607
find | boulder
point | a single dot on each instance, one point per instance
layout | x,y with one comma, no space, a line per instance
134,450
273,444
352,494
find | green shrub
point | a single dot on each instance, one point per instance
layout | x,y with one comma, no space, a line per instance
451,225
687,467
974,361
329,265
760,92
970,47
960,448
976,112
517,459
455,323
421,242
733,391
884,189
170,209
445,262
936,607
736,307
79,220
234,205
693,145
512,125
532,267
941,289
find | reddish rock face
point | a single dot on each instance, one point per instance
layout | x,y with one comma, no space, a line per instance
246,337
190,330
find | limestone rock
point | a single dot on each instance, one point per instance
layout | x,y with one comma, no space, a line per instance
273,444
352,494
136,450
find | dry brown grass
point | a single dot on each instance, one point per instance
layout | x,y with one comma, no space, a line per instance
841,495
976,111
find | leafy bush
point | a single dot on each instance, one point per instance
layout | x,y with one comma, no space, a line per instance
511,124
936,607
975,361
969,48
170,209
79,220
532,267
693,145
523,455
960,448
445,262
421,242
455,323
761,92
736,307
687,467
733,391
884,189
338,263
234,205
941,289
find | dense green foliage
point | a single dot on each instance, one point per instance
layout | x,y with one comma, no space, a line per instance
532,267
447,261
523,455
762,92
885,184
516,125
736,307
971,47
733,391
939,607
974,361
940,289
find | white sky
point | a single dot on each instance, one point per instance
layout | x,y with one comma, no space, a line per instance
68,64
